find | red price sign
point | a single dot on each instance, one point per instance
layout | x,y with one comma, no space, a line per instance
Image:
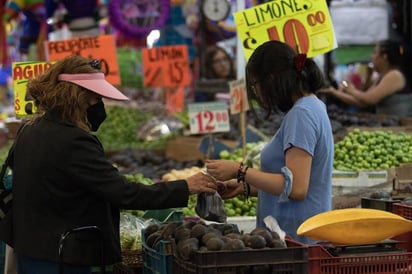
303,24
238,97
208,117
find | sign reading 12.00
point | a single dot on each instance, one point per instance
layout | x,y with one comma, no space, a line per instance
208,117
303,24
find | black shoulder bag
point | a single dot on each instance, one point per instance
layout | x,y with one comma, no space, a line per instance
6,195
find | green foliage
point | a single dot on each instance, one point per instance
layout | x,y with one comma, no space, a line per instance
119,130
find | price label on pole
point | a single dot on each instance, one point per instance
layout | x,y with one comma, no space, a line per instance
238,97
208,117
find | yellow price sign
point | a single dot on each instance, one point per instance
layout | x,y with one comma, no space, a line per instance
22,72
305,25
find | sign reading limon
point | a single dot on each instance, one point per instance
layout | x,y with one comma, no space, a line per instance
305,25
166,66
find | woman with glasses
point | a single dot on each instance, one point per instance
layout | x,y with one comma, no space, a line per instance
218,69
218,64
294,181
63,181
390,94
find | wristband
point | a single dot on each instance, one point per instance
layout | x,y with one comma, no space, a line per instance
287,187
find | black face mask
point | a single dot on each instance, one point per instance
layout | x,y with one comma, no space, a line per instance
96,114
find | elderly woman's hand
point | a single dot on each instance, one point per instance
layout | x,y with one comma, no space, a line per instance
201,182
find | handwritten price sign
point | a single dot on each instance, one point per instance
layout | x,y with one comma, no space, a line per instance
208,117
100,47
238,97
303,24
166,66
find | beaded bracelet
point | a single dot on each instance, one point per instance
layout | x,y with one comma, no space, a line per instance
241,173
246,190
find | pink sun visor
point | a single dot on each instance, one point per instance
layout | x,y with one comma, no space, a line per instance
96,83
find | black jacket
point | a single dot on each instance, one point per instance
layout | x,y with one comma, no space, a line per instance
62,180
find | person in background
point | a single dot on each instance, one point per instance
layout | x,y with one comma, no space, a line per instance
218,64
390,94
218,70
294,181
62,179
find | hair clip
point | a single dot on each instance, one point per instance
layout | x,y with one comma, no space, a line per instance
95,64
299,61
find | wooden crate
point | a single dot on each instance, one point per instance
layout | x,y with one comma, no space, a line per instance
186,148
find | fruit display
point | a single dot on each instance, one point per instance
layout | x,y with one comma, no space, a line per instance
372,150
192,236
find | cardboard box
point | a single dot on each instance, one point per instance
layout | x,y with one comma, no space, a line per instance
361,182
402,183
346,201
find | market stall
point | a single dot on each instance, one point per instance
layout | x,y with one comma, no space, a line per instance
151,50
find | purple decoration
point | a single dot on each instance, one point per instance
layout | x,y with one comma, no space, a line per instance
136,18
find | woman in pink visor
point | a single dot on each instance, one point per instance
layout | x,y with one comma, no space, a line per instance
63,183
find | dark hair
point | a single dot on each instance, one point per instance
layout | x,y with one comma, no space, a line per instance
272,66
208,61
394,52
67,99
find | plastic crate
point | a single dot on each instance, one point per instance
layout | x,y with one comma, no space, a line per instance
402,210
290,260
380,204
159,259
164,215
322,261
405,211
122,268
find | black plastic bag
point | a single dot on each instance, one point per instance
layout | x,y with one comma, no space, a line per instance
210,207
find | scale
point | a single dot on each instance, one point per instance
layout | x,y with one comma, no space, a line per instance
384,247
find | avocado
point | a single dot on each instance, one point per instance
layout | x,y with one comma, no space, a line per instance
233,244
256,242
198,230
214,244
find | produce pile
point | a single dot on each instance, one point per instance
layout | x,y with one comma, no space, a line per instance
119,129
372,150
192,236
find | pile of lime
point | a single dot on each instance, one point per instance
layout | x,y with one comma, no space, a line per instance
372,150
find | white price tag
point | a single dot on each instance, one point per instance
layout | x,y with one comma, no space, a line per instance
208,117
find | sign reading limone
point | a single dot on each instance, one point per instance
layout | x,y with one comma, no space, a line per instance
305,25
22,72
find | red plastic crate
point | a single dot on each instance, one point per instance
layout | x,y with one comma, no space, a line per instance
402,210
323,262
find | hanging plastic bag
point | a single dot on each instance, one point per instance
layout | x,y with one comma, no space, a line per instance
210,207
